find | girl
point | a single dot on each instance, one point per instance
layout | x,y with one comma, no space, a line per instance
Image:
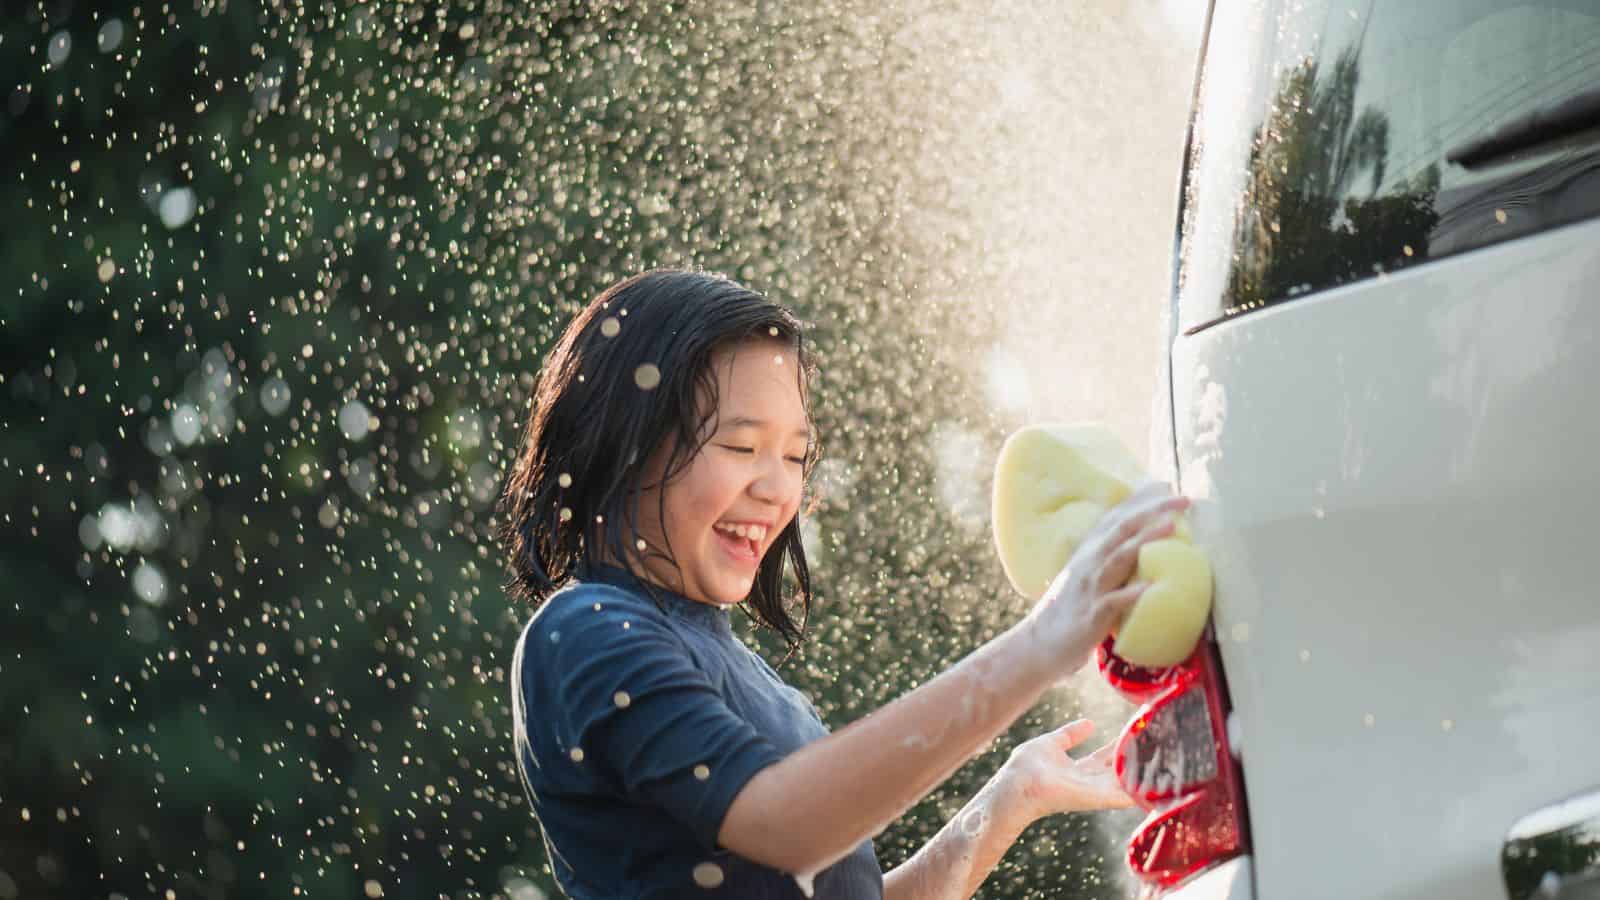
659,486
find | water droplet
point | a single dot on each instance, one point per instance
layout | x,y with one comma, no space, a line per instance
773,330
107,270
1500,216
373,889
275,396
610,326
110,36
1240,632
177,207
1369,720
186,424
576,754
708,875
1448,725
647,377
621,699
150,583
1305,655
702,772
354,420
640,544
60,48
566,514
89,532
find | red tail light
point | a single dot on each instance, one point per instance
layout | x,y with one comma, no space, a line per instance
1137,683
1173,759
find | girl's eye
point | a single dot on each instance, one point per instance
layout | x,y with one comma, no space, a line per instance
797,460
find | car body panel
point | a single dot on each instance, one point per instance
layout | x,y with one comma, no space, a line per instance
1228,881
1397,483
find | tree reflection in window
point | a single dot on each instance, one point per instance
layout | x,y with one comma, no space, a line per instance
1302,225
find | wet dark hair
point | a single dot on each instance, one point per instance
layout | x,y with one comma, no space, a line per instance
598,419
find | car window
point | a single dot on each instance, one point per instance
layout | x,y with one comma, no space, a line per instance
1322,145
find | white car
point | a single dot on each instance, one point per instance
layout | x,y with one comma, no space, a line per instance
1385,402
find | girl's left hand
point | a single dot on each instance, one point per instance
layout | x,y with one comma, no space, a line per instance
1044,780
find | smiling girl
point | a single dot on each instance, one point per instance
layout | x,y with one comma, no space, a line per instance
658,487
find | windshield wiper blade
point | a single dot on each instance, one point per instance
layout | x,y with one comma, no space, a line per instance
1567,116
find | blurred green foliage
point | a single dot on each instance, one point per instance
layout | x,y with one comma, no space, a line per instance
278,277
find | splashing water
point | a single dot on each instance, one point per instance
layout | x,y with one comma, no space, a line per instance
281,275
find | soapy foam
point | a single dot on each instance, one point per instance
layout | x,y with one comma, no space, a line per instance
975,704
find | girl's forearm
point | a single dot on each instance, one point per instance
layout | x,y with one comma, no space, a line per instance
966,849
810,810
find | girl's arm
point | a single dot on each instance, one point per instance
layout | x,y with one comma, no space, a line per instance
810,810
1038,780
958,859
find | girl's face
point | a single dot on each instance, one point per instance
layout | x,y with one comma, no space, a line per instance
726,508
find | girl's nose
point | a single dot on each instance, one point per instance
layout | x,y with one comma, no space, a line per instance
771,484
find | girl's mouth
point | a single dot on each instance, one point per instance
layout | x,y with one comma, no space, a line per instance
741,549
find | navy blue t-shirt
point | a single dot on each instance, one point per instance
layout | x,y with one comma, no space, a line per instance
636,726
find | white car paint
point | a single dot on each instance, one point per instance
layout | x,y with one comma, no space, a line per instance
1228,881
1397,482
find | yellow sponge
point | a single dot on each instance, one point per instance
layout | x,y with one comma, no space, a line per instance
1051,483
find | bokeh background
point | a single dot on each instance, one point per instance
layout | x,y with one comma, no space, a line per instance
277,278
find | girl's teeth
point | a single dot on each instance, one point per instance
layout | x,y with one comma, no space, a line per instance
748,532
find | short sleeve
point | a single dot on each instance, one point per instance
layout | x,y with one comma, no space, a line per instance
632,701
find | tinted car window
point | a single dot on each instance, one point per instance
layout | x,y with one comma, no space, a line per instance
1322,143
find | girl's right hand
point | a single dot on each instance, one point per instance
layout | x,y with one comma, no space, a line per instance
1092,594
